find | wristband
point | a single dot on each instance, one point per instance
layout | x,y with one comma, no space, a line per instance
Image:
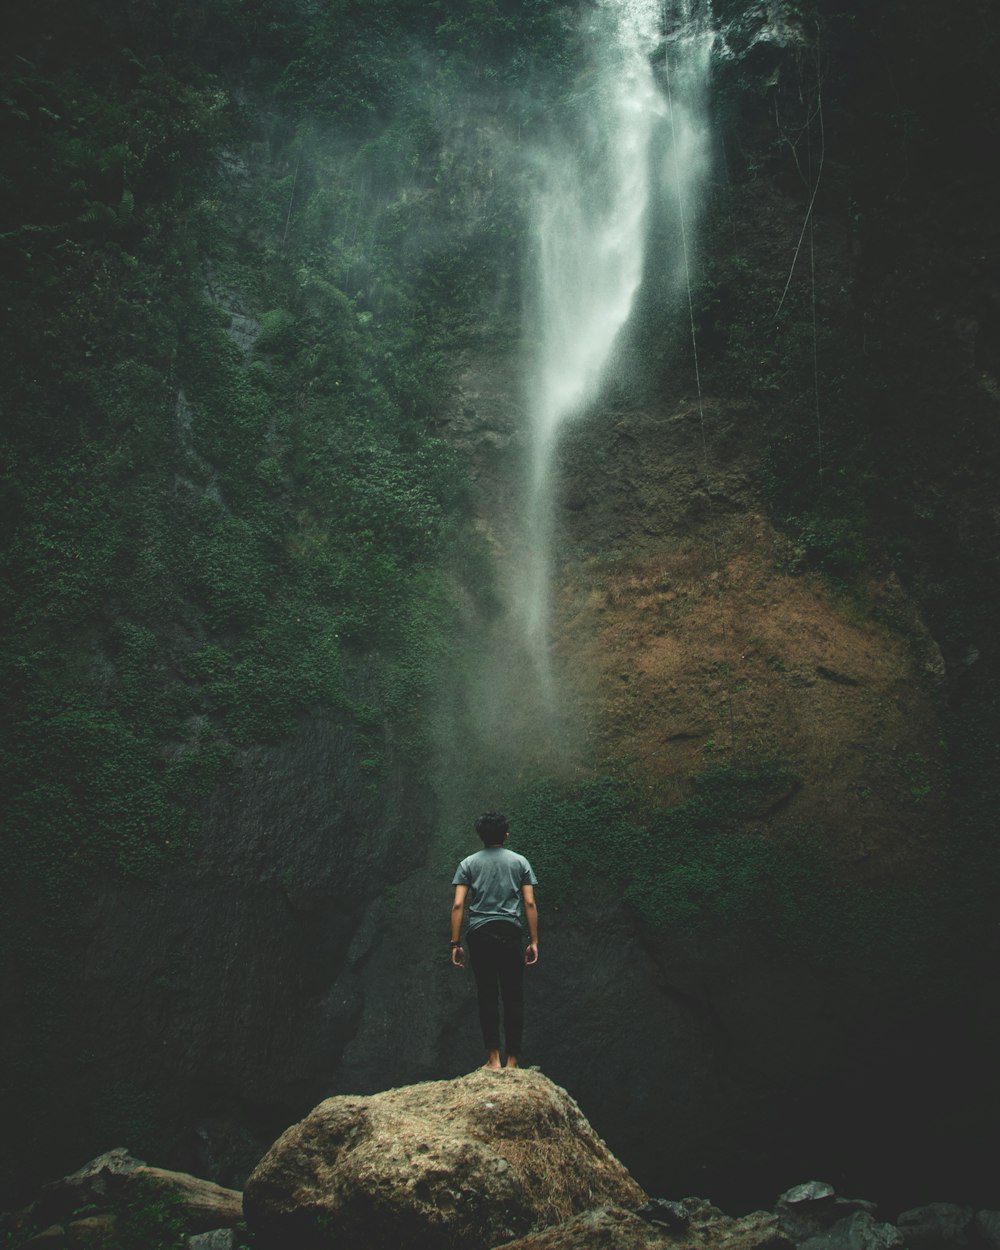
454,944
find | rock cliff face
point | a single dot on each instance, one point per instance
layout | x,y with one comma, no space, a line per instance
705,612
243,975
691,629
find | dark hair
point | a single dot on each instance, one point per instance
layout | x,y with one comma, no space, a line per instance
492,828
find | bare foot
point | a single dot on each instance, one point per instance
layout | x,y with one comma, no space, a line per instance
493,1061
512,1061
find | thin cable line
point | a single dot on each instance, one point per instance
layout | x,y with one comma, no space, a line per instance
697,371
291,198
815,191
684,242
812,267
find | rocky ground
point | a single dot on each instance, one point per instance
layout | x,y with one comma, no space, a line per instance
487,1161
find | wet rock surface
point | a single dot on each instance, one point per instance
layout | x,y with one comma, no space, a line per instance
858,1231
812,1210
986,1227
95,1184
242,971
217,1239
936,1226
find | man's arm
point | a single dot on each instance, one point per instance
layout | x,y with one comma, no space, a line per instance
531,915
457,911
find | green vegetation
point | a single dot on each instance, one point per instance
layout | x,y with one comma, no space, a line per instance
221,480
242,244
279,500
148,1217
867,365
151,1218
707,867
684,866
824,309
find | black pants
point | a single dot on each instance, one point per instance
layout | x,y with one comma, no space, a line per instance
498,965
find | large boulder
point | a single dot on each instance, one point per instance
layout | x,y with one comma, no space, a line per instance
467,1163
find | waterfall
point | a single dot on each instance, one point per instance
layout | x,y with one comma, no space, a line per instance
589,214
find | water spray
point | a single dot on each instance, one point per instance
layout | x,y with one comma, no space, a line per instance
590,216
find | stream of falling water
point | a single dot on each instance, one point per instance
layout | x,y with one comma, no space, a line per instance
590,217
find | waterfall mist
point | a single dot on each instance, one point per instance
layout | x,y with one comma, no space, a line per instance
627,147
588,216
640,133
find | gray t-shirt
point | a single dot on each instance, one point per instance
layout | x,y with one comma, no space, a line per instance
494,876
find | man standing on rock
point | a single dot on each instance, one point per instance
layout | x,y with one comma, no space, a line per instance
499,887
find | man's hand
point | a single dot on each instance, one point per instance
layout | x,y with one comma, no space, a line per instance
457,911
531,915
